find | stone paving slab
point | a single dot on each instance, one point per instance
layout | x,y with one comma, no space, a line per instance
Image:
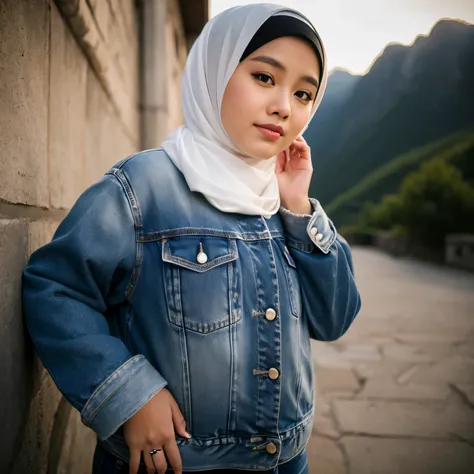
325,456
408,456
389,389
395,395
410,419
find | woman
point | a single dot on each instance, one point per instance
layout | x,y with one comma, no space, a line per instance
175,305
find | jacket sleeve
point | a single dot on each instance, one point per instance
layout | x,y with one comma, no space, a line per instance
67,287
324,264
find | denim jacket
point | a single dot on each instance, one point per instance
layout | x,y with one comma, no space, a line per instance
146,285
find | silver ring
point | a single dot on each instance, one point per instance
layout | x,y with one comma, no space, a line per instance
154,451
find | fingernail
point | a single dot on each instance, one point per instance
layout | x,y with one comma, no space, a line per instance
187,435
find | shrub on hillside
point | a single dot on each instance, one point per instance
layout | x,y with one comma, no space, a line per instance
433,201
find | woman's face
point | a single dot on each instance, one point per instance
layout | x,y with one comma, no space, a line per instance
274,86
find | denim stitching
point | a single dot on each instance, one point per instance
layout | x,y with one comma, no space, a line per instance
114,375
196,231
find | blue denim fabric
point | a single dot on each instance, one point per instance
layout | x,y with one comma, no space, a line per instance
118,307
106,463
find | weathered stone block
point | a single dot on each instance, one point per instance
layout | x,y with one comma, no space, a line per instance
407,456
72,444
24,63
34,451
40,233
107,140
67,118
16,355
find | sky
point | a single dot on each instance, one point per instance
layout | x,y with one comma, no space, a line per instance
355,32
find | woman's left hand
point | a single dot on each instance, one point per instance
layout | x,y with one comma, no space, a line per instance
294,176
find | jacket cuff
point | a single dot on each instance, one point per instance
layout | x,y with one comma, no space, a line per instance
121,395
304,231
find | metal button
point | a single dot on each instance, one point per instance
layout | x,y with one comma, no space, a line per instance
314,231
273,373
319,237
201,256
270,314
271,448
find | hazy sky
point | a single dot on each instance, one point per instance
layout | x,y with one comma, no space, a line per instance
355,32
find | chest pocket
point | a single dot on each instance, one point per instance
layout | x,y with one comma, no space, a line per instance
202,282
292,280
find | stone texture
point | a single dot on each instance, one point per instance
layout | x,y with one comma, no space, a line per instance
327,355
325,456
40,233
72,445
414,412
16,355
417,353
407,456
67,117
106,139
380,369
112,57
467,392
359,352
24,47
324,425
382,418
336,381
386,388
34,451
455,369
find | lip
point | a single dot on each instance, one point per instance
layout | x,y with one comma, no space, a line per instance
270,131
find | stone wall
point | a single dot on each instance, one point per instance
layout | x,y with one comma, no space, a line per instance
70,106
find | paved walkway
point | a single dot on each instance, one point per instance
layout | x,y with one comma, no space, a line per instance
395,395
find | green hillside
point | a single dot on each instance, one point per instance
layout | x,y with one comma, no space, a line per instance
457,148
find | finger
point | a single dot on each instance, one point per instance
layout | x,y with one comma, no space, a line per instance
134,460
159,462
178,421
300,146
300,139
174,457
280,163
300,150
150,466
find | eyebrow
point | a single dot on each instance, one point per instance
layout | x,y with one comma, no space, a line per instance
273,62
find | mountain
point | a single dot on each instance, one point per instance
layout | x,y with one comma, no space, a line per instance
412,96
456,149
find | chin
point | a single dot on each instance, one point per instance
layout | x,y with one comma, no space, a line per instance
263,152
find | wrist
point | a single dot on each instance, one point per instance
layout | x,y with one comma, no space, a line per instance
297,206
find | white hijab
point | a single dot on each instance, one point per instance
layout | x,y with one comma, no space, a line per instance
201,149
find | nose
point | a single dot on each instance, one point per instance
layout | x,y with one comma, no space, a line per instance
280,105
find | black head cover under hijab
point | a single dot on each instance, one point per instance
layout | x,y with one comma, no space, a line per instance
280,25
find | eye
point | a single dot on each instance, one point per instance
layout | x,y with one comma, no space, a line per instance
303,95
265,78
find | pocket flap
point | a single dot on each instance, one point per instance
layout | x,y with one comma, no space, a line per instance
184,251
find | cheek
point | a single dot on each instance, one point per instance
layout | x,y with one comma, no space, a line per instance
300,117
231,105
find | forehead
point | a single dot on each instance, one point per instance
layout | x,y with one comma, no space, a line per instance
293,52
